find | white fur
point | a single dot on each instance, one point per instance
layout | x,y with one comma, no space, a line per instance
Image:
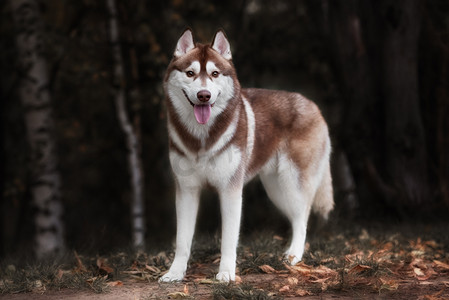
251,129
281,181
191,175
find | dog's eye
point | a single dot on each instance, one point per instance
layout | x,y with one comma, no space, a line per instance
190,74
215,74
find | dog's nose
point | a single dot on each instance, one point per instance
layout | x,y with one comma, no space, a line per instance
203,95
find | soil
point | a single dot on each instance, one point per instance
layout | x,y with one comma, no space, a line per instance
437,288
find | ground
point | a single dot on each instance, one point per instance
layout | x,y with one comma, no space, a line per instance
396,263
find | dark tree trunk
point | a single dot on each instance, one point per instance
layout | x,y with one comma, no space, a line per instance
351,60
405,143
375,58
434,90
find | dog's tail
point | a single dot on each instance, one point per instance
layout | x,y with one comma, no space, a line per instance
323,203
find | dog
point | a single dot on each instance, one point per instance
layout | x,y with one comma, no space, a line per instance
222,136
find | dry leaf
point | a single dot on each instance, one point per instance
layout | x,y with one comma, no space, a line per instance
323,270
322,280
79,264
359,269
178,295
153,269
300,267
302,293
114,283
285,288
204,281
418,272
435,296
186,289
267,269
441,264
238,279
101,264
389,284
431,244
61,273
38,287
292,280
278,238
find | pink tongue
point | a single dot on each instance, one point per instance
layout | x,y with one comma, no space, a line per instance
202,113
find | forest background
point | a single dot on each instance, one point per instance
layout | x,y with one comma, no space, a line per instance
379,70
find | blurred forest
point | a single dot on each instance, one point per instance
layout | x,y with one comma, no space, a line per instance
379,70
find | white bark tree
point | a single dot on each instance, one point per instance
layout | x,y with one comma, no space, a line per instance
36,101
132,141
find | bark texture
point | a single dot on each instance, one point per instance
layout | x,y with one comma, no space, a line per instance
36,101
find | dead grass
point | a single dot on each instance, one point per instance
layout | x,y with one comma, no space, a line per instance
384,260
241,292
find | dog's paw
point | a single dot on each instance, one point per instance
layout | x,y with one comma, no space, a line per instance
172,277
225,276
292,259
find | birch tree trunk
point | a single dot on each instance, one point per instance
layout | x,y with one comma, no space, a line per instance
36,101
132,142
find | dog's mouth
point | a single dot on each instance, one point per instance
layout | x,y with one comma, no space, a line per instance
201,111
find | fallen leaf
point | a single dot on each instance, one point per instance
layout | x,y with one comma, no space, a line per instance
441,264
114,283
302,293
178,295
101,264
38,287
267,269
238,279
285,288
205,281
418,272
79,264
431,244
358,269
292,280
278,238
323,270
300,267
61,273
389,284
153,269
186,289
322,280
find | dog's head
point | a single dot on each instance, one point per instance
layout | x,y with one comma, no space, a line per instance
201,78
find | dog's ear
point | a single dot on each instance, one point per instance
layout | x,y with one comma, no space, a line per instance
221,45
185,43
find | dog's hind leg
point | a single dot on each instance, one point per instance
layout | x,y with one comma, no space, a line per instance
293,198
187,202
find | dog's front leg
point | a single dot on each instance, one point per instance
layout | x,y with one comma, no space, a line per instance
187,201
231,209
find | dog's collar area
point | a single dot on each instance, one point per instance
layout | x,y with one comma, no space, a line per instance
191,103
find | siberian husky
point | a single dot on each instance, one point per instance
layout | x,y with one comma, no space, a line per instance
221,135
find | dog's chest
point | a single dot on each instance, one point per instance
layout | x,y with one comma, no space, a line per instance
206,167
